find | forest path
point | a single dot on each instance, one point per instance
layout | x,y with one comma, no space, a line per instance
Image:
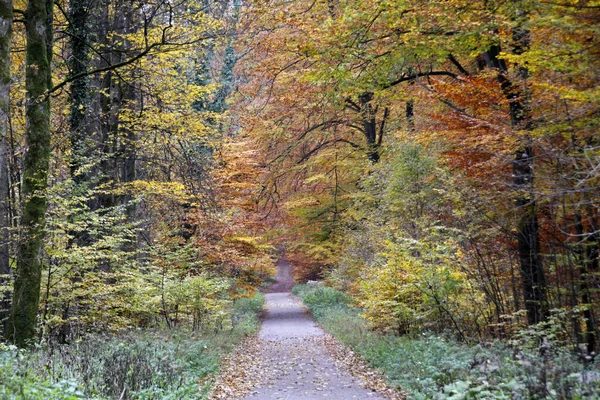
292,355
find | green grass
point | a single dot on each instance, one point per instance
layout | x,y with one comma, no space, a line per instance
138,365
434,367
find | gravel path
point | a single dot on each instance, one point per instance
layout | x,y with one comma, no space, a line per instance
293,360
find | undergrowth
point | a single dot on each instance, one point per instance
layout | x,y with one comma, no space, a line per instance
435,367
138,365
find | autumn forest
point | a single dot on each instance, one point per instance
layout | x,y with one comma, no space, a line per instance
429,169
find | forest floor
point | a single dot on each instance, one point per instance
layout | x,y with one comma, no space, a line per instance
293,358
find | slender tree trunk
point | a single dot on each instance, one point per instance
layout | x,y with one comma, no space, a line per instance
6,17
128,93
128,166
587,250
410,115
589,259
26,296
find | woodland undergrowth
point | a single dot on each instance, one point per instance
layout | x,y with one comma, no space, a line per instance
141,364
438,366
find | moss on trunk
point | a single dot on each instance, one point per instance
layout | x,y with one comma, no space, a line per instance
38,24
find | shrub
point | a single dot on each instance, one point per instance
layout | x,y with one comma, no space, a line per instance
137,365
431,366
246,312
18,380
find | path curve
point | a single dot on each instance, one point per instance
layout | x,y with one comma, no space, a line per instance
293,356
284,279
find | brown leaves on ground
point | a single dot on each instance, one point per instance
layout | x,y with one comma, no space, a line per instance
240,371
243,371
350,361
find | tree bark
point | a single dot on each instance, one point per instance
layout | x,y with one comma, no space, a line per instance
26,296
369,124
117,143
533,280
410,115
79,12
6,20
128,98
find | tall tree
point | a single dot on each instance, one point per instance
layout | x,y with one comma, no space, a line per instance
79,29
6,17
38,26
532,269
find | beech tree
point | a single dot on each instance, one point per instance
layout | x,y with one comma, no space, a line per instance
531,266
6,21
500,93
137,174
26,297
448,148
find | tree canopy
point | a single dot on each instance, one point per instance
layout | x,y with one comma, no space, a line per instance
436,160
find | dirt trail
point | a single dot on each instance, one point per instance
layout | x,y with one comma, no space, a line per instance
293,359
284,280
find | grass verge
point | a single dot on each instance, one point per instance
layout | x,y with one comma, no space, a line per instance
137,365
434,367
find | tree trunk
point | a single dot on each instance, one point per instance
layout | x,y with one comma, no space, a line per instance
79,12
128,98
117,143
533,279
532,269
372,131
26,296
81,144
6,17
410,115
369,126
589,253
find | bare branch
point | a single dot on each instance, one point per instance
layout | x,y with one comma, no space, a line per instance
414,76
